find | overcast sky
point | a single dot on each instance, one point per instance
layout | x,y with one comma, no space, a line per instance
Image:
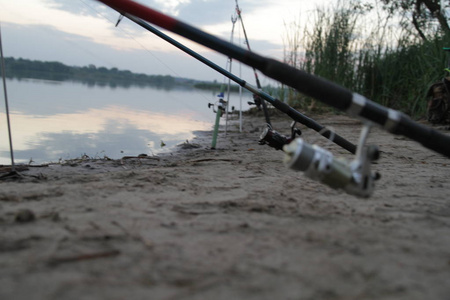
82,32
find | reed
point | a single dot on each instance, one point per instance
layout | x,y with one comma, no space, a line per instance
367,53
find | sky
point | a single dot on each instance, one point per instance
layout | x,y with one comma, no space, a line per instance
83,32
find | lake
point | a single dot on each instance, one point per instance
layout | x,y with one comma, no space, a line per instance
54,121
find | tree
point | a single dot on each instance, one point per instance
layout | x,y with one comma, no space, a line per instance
428,17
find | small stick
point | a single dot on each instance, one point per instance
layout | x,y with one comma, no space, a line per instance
87,256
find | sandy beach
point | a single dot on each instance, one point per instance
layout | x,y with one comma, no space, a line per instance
229,223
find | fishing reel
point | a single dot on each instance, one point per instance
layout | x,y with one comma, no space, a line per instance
256,101
221,106
276,140
353,177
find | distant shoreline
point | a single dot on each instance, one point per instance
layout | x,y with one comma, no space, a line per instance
19,68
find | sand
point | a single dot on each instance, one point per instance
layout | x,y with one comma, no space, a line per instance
230,223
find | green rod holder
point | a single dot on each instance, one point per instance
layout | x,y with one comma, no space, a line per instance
216,128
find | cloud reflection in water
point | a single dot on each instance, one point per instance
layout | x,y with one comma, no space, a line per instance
114,131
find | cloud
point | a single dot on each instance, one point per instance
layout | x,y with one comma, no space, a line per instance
83,7
73,33
210,12
198,12
43,42
47,43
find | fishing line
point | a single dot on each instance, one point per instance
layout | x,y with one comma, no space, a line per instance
115,22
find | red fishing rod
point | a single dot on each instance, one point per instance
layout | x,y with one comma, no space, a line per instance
321,89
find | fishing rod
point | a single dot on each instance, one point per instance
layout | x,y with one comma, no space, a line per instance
230,65
316,87
269,136
257,100
8,121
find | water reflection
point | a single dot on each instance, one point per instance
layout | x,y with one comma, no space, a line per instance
113,132
62,121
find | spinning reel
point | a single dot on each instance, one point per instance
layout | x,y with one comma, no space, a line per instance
256,101
276,140
220,105
353,177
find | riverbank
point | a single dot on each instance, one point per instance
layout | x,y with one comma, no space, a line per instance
230,223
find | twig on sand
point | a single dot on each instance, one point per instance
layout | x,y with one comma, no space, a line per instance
212,159
80,257
138,157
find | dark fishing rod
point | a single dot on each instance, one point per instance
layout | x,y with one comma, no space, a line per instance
321,89
294,114
258,83
8,121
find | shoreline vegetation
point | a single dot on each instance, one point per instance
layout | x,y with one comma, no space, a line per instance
389,51
91,75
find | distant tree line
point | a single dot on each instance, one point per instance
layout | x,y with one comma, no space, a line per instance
215,86
90,75
24,68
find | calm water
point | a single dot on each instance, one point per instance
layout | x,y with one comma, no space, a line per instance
63,120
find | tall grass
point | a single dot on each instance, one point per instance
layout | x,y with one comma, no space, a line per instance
368,54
